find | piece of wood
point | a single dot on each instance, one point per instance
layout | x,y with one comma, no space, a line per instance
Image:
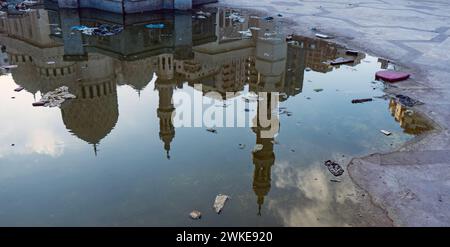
357,101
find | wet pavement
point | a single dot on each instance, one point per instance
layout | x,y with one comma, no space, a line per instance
117,155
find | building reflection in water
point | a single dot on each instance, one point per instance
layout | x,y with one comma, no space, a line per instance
209,51
411,122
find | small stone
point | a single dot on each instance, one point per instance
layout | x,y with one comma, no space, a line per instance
195,215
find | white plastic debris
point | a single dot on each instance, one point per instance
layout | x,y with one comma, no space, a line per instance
258,147
56,97
386,132
220,202
322,36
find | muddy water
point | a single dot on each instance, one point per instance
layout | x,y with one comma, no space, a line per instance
119,154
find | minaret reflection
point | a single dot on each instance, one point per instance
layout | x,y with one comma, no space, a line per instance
266,74
264,158
165,86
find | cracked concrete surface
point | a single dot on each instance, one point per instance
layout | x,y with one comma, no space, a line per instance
412,184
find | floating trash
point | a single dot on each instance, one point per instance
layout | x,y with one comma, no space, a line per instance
358,101
334,168
386,132
257,148
19,89
55,98
341,60
219,203
13,66
391,76
155,26
195,215
322,36
212,130
102,30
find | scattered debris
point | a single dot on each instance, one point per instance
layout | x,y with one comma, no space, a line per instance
257,148
220,202
386,132
195,215
155,26
102,30
334,168
391,76
357,101
322,36
407,101
212,130
55,98
318,90
341,60
19,89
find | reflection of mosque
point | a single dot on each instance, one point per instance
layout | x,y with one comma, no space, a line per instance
410,122
49,55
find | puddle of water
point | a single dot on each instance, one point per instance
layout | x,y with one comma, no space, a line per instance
118,155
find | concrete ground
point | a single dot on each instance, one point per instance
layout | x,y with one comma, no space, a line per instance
411,184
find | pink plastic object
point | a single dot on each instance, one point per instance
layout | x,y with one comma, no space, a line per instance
391,76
